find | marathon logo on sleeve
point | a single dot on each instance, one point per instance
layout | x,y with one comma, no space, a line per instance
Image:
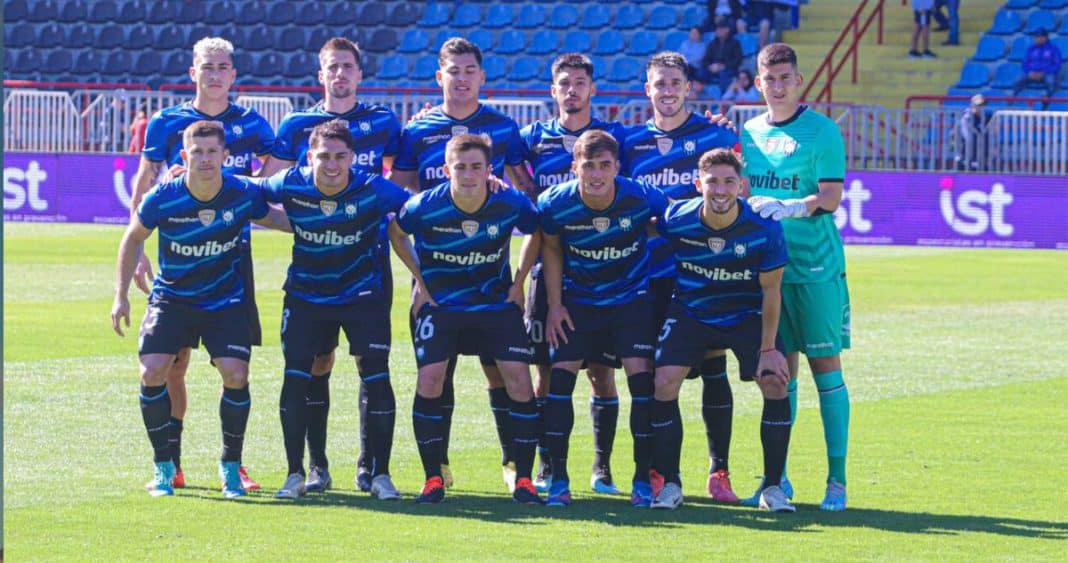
210,248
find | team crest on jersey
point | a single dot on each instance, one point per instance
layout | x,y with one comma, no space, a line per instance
228,216
789,147
350,210
458,130
569,143
601,224
365,127
716,245
469,228
689,146
663,144
328,207
739,250
624,223
493,231
206,216
237,129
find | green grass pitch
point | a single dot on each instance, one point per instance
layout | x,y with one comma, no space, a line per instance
957,449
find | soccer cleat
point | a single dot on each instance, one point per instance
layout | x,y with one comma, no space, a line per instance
656,481
293,487
446,476
835,498
178,482
601,482
544,479
525,493
162,483
319,480
719,487
641,494
559,494
246,482
754,500
230,474
774,499
382,488
670,497
363,479
508,474
433,491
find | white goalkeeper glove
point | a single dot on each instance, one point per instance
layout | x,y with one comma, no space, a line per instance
778,209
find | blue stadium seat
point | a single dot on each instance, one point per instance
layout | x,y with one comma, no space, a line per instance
341,14
140,37
88,62
483,38
544,42
694,15
177,63
466,15
44,11
79,36
973,75
368,64
674,39
110,36
629,16
250,13
642,43
147,62
28,61
990,48
1053,4
268,64
220,12
1006,75
103,11
498,16
383,40
1040,19
440,39
1019,48
663,17
73,11
260,38
563,17
625,71
414,41
523,69
308,15
196,33
117,63
291,38
577,42
511,42
393,66
1062,45
372,14
14,11
1064,26
243,62
49,35
191,12
436,14
317,37
609,43
58,61
403,14
281,13
495,67
1020,4
595,16
130,11
19,35
601,66
162,12
425,67
750,44
530,17
1006,22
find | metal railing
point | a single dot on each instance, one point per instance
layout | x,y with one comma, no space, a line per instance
1028,142
40,121
828,70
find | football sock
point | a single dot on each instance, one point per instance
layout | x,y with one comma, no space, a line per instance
156,413
717,409
318,411
293,411
791,394
666,423
234,406
559,419
604,411
834,410
524,436
500,405
641,397
175,441
775,438
427,421
363,460
381,414
543,445
448,400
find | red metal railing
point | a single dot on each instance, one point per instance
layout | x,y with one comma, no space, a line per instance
829,69
1015,100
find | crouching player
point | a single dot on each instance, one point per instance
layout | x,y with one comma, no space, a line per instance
197,294
464,291
729,263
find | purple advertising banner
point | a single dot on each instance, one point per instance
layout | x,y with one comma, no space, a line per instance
902,208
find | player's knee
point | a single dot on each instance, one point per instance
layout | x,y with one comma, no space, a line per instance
602,380
637,365
180,364
431,380
494,378
373,369
323,364
234,372
772,387
153,372
825,364
516,377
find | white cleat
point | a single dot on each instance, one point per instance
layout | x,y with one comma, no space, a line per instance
293,487
382,488
835,498
508,474
670,497
774,499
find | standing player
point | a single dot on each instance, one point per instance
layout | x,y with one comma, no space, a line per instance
420,165
248,135
596,276
665,152
376,135
335,282
548,147
464,288
198,294
795,162
729,262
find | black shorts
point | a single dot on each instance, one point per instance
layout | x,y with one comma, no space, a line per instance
440,334
386,269
624,331
661,292
469,345
536,314
310,330
684,340
922,17
169,327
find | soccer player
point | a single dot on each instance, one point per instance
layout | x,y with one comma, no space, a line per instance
248,136
795,163
665,152
198,293
335,282
596,276
420,165
548,147
464,288
376,135
729,262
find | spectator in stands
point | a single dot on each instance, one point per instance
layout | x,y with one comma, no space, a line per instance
742,89
759,13
730,11
693,49
1041,65
137,132
950,22
722,57
922,11
971,130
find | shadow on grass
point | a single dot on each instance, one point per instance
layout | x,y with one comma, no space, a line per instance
616,511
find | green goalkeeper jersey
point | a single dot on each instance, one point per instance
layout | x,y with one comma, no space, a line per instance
788,160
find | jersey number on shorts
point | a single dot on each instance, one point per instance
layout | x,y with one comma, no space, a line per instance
664,332
285,319
536,330
424,328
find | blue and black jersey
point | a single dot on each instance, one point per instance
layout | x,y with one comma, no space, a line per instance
719,270
605,257
548,147
422,145
334,237
248,135
374,128
199,241
464,258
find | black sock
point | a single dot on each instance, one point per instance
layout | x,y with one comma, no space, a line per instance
559,419
641,397
364,459
427,422
604,411
293,411
775,438
175,441
543,445
381,419
318,411
717,408
156,412
524,436
500,404
448,400
234,407
666,422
